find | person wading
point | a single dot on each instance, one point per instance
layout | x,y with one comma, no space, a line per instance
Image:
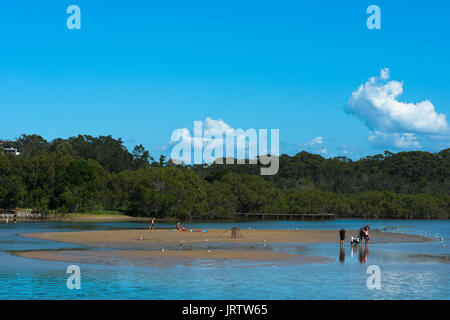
341,237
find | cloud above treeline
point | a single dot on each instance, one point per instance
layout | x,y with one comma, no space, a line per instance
315,146
219,127
215,135
393,123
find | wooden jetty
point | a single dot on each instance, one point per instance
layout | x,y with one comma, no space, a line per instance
286,216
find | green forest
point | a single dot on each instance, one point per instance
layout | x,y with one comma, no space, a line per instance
87,173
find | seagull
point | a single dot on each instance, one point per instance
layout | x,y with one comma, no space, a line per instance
209,251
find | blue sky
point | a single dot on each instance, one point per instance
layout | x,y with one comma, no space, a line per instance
141,69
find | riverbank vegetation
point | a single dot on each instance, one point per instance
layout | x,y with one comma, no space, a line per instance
87,173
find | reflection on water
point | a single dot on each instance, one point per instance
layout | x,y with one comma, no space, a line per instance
342,254
363,253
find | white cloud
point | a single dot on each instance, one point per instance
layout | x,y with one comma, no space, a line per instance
397,140
316,145
219,127
347,150
396,123
216,135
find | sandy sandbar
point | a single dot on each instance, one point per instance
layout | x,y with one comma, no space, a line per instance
141,238
161,246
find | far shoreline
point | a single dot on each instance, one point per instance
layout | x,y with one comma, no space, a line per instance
118,216
126,218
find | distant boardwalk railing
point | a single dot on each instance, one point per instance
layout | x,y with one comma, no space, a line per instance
286,216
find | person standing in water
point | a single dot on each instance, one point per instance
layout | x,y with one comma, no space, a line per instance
362,235
342,237
15,217
366,232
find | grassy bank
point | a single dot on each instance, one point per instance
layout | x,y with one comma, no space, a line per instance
93,216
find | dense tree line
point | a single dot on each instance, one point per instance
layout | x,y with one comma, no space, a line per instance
90,173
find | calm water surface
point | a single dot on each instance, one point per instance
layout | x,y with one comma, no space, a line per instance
408,270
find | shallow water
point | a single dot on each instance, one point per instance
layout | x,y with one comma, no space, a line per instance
408,270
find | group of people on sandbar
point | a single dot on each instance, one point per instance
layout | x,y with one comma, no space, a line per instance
182,228
362,237
179,227
364,234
